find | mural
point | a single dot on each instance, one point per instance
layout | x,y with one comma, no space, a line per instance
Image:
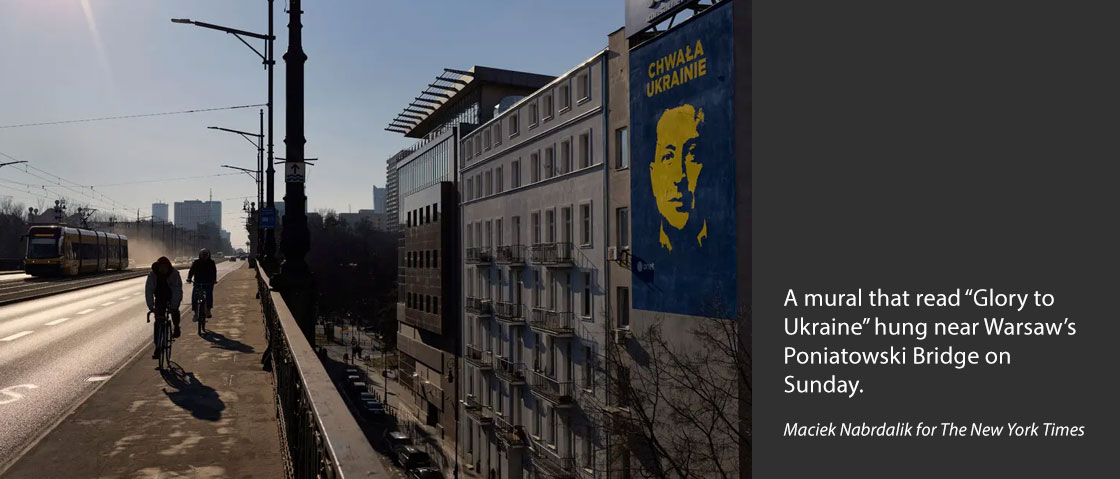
682,185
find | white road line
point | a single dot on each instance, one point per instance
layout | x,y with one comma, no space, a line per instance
17,336
94,379
87,311
122,298
58,321
110,303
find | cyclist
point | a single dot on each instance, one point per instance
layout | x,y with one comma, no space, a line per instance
164,289
204,273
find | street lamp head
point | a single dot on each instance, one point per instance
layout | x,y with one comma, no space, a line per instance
212,128
181,20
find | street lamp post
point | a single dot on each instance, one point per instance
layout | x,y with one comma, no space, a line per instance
259,176
269,59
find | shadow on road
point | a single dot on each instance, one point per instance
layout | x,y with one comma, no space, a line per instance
217,340
201,400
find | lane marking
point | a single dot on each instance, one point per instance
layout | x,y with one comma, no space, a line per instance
122,298
94,379
58,321
17,336
9,391
87,311
110,303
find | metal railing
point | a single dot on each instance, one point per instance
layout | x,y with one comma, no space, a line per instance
552,322
552,254
322,438
558,392
479,358
507,433
477,305
483,414
479,256
551,462
510,371
511,312
512,254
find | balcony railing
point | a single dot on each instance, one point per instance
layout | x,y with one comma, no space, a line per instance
511,372
555,323
481,359
552,254
480,413
557,392
509,312
552,463
322,438
405,375
479,306
479,256
508,434
512,255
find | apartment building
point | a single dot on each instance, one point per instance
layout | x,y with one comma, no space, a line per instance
424,194
533,248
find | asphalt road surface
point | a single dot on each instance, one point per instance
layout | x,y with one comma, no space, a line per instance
55,350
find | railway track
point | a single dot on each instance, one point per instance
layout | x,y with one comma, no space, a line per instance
20,290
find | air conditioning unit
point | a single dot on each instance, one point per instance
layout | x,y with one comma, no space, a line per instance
612,253
620,335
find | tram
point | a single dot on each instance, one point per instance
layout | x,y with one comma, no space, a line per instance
56,250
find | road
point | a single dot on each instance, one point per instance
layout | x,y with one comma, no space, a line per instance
55,350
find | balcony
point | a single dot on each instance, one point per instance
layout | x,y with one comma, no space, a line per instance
477,306
513,255
479,256
478,412
551,463
509,435
406,375
559,393
509,371
509,312
483,360
555,323
557,255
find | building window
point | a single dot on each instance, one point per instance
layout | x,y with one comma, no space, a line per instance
478,185
622,226
565,97
583,86
435,258
516,230
427,259
547,101
515,174
565,156
549,161
585,224
537,303
488,182
585,150
623,307
587,373
550,220
566,218
622,148
498,177
469,190
535,167
586,295
477,146
536,224
513,125
533,117
499,232
486,140
435,212
467,149
552,426
497,133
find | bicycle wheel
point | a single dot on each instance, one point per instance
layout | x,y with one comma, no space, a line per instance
166,353
161,342
202,312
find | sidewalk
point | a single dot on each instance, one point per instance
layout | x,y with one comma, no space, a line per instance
213,416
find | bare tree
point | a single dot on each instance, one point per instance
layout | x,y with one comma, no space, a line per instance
680,399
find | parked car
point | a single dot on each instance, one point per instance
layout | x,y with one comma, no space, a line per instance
411,458
394,440
374,410
425,473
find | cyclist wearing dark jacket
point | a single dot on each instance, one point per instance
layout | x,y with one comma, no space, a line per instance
164,290
204,273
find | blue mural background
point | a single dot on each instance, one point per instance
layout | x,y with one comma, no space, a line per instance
683,168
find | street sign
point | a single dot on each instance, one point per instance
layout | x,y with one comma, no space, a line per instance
268,218
294,172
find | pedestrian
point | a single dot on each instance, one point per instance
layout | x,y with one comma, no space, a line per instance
346,358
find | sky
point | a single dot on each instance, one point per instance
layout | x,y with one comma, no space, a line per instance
78,59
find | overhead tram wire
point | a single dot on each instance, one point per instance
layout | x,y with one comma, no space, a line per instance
105,203
125,117
158,180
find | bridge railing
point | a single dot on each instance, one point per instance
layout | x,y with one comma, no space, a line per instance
323,440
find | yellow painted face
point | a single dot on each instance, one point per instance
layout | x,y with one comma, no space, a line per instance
675,169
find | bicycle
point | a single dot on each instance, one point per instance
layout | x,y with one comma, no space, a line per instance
163,337
201,310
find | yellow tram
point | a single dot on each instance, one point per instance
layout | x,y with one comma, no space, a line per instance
61,250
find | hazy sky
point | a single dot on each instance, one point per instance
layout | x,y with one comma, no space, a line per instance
74,59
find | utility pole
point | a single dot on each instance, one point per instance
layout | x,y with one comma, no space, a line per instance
269,237
295,282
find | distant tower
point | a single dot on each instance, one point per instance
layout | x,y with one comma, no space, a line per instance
159,212
379,199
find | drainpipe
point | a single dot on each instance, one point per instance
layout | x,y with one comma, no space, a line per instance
607,234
